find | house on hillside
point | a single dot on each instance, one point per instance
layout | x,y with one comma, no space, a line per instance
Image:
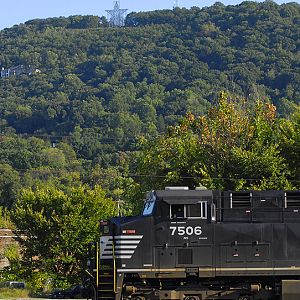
18,70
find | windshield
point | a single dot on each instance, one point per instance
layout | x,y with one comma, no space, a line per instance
149,205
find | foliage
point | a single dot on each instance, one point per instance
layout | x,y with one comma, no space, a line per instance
102,87
232,148
9,184
74,22
290,142
6,293
58,226
5,221
14,271
12,253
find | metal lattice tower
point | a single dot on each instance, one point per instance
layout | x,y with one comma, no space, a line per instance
176,3
117,15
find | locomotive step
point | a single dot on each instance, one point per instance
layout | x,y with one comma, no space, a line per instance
106,278
106,271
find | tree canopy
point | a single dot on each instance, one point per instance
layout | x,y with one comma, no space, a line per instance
101,87
55,227
233,147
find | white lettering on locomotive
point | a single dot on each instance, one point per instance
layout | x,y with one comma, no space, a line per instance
183,230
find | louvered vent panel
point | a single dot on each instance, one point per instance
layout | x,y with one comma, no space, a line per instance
292,199
240,200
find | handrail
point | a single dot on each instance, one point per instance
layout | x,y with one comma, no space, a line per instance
97,264
114,263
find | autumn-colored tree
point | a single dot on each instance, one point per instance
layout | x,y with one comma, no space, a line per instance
232,147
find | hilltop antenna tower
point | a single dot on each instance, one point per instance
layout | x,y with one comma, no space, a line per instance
176,3
116,16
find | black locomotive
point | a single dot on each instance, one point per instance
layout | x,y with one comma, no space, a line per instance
202,244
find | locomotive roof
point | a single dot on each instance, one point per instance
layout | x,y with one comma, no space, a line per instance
184,196
178,196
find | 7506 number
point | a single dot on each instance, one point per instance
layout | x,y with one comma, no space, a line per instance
182,230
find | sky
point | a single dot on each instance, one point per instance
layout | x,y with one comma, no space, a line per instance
14,12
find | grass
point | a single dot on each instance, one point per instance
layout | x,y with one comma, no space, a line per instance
6,293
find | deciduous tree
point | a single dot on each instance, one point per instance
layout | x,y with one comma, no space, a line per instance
55,227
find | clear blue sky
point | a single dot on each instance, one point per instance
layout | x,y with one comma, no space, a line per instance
19,11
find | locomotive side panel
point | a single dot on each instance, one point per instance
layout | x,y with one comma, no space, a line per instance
286,249
183,244
243,249
137,241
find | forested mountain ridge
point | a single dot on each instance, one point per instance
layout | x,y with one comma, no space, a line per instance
102,83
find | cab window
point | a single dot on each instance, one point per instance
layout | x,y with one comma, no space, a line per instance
197,211
177,211
190,211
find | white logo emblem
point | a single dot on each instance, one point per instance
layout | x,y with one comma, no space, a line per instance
125,246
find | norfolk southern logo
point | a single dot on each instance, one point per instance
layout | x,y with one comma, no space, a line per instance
125,246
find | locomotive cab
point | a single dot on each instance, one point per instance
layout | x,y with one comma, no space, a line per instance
183,234
175,204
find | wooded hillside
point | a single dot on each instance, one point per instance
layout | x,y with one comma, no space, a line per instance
116,83
100,88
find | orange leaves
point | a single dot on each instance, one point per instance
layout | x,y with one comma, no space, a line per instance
270,112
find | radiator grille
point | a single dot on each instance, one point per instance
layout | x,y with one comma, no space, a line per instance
292,199
240,200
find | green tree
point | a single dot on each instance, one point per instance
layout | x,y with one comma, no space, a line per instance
9,185
58,225
290,143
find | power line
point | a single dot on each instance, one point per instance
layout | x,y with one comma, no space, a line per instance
28,135
104,140
198,177
135,175
54,171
